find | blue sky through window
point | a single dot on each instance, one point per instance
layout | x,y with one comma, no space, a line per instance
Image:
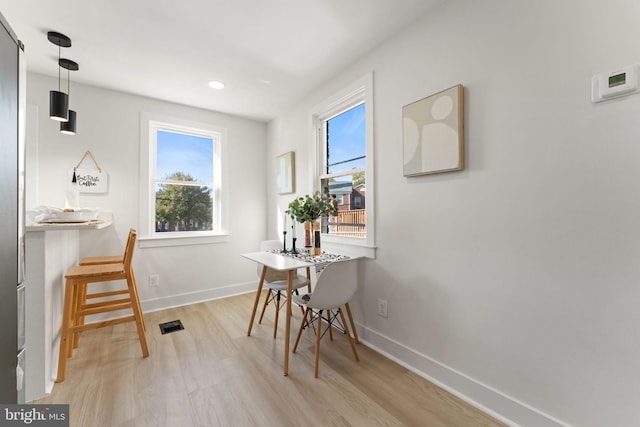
346,139
189,154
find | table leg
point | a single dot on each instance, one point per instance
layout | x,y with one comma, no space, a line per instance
255,304
288,328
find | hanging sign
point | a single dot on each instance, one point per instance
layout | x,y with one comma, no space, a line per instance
89,180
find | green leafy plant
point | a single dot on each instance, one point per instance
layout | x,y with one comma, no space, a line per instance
183,207
312,207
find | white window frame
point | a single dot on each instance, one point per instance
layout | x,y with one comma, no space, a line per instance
356,93
148,237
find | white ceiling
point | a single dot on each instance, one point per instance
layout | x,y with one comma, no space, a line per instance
269,53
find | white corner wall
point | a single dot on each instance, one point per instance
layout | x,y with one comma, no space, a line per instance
516,282
109,126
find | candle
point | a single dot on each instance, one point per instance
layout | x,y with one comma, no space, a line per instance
293,228
284,222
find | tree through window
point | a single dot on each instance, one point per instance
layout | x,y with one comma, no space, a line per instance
184,180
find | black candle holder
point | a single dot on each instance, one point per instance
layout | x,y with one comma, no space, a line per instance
293,249
284,242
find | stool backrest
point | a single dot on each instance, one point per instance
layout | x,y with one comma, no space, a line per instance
128,250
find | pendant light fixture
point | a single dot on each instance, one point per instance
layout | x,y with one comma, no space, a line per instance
58,100
69,127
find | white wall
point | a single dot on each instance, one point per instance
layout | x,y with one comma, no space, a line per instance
109,126
515,282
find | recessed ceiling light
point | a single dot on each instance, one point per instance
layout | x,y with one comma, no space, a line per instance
213,84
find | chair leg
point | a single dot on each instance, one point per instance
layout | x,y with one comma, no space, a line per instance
264,306
351,343
302,326
137,298
318,335
137,313
65,338
80,298
301,309
275,322
353,325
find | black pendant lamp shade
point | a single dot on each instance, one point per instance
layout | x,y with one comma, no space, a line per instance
58,106
69,127
58,100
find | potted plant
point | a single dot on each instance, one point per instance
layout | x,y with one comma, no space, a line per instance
307,210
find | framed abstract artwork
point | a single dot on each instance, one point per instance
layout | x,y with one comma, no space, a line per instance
286,168
433,133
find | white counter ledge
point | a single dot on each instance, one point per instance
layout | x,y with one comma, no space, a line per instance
89,225
51,249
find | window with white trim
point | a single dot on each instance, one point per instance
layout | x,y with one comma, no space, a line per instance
182,191
344,158
344,146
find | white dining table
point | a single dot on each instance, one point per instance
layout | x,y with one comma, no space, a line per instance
278,262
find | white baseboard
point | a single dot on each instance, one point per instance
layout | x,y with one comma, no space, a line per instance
197,297
489,400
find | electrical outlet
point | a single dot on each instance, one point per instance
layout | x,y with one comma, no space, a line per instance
154,280
382,307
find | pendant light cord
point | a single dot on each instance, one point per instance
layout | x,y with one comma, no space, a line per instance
59,48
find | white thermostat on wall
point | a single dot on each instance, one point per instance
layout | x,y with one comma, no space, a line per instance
621,82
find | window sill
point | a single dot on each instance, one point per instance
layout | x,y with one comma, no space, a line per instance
348,246
181,240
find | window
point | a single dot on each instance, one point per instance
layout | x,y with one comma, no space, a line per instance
344,147
357,202
182,195
344,160
183,180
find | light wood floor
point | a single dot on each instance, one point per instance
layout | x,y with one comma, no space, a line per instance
212,374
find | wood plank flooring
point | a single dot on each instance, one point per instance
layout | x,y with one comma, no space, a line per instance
212,374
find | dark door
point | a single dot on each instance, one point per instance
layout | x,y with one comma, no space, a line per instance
8,213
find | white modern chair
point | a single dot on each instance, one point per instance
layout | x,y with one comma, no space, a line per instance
333,289
276,284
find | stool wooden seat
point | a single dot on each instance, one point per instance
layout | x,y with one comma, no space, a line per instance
76,306
109,259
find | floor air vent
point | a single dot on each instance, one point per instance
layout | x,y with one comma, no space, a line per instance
168,327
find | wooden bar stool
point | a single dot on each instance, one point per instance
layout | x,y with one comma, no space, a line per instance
78,279
115,259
